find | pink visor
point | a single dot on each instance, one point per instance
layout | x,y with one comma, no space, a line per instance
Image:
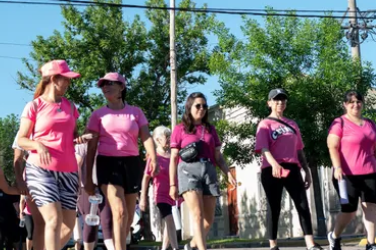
58,67
113,76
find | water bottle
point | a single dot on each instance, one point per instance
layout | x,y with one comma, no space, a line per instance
344,198
92,219
22,222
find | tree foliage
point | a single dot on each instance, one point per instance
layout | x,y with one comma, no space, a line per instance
8,130
97,40
309,59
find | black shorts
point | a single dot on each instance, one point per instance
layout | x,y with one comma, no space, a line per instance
358,186
125,172
165,209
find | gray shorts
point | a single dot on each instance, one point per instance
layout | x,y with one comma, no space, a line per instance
200,176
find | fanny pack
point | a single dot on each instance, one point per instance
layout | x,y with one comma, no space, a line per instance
190,152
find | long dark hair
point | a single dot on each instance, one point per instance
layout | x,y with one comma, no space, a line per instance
189,126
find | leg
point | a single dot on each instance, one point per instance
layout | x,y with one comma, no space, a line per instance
69,219
194,201
209,203
130,204
38,229
166,240
53,218
369,217
348,211
273,188
294,185
116,199
29,225
171,231
106,223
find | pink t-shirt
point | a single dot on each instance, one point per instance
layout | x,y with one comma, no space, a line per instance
118,130
357,146
280,140
180,139
55,130
161,182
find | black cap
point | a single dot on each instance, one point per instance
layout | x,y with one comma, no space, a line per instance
274,92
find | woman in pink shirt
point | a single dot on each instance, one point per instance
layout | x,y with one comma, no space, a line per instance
351,142
117,127
279,141
198,183
51,167
161,186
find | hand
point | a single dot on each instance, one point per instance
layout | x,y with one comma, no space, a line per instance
84,138
277,171
338,173
174,193
89,187
143,203
44,155
308,180
21,186
154,167
21,216
232,181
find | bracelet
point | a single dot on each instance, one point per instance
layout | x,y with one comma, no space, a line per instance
172,185
336,167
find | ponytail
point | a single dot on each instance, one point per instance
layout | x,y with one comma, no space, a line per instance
39,90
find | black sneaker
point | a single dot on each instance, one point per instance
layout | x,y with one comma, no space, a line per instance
334,244
275,248
371,247
316,247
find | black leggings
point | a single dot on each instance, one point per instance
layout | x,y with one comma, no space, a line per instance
294,185
29,225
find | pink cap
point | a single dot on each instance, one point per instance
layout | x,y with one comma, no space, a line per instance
113,76
58,67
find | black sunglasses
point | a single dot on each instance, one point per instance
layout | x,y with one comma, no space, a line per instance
204,106
280,98
108,83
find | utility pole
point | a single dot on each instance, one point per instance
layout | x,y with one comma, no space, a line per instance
354,31
174,113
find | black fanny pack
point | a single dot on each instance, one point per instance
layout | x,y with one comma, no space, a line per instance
191,152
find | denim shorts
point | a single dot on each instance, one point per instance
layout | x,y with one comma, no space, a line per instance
199,176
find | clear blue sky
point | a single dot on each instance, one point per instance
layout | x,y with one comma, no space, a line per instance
22,23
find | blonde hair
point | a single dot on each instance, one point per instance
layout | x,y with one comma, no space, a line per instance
39,90
159,131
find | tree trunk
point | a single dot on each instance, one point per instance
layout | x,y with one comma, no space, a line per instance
321,225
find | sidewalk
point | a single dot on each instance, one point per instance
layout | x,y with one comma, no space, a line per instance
294,242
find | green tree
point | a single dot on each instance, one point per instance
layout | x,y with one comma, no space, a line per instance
97,40
8,130
308,58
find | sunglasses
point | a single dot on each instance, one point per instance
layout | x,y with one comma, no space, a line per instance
280,98
108,83
203,106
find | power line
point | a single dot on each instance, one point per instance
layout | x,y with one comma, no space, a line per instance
16,44
197,10
210,9
11,57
